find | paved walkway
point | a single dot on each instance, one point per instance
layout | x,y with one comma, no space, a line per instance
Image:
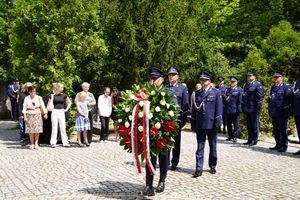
105,171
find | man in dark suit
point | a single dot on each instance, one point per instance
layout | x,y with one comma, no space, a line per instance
280,105
181,97
233,108
253,96
296,108
222,87
207,113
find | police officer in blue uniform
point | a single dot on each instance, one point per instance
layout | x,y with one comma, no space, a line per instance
207,113
296,109
253,96
233,108
222,87
13,94
156,78
280,106
181,97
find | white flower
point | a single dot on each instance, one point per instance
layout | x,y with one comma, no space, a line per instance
130,117
141,103
127,124
157,125
168,106
157,108
119,120
152,92
171,113
163,102
127,110
141,114
140,128
132,96
150,115
163,93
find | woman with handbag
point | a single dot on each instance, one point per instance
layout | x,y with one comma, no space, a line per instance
33,109
56,105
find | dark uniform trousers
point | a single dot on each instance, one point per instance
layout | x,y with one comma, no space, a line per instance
297,121
212,140
235,120
176,150
280,131
252,126
163,168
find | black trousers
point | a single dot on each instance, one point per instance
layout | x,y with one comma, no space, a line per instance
104,128
163,167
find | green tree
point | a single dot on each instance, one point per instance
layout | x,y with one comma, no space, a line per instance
282,49
5,17
57,41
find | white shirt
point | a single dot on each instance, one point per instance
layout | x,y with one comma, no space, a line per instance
28,104
104,105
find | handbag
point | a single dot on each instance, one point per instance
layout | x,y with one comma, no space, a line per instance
50,104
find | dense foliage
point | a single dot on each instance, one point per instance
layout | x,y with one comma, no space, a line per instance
114,42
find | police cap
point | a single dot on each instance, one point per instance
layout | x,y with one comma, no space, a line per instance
233,78
277,74
205,76
173,70
251,73
155,73
220,78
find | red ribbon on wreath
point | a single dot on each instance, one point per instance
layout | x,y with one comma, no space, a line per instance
144,139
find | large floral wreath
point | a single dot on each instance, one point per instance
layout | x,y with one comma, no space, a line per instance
147,122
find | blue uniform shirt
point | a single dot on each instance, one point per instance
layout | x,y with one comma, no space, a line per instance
296,101
233,97
181,97
253,96
280,100
207,109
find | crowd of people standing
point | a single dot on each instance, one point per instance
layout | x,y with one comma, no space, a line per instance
214,110
48,115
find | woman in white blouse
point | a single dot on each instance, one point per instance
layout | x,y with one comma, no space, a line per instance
104,108
33,109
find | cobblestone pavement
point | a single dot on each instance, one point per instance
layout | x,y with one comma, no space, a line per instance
105,171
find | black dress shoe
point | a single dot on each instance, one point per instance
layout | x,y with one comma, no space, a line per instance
212,170
282,149
148,191
234,140
173,168
274,148
228,139
160,187
197,174
246,143
253,143
297,153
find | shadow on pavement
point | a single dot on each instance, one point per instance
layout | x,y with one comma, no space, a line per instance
259,149
116,190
